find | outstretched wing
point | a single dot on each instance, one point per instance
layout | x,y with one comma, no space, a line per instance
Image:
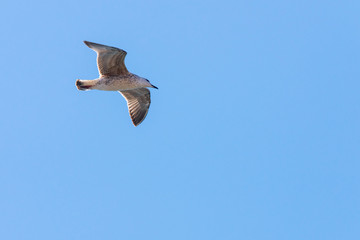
110,60
138,101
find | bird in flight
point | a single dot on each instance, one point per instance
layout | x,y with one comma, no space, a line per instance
115,77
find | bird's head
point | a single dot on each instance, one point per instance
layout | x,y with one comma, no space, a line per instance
148,84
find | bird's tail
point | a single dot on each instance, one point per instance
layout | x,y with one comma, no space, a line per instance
85,84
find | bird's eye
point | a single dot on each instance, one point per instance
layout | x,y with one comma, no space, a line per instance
147,80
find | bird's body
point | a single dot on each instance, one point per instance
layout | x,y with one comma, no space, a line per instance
115,77
114,83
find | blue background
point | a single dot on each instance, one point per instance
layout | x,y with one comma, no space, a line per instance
253,134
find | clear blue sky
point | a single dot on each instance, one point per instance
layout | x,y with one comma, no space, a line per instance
253,134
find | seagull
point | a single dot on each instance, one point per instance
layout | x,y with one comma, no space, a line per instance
115,77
